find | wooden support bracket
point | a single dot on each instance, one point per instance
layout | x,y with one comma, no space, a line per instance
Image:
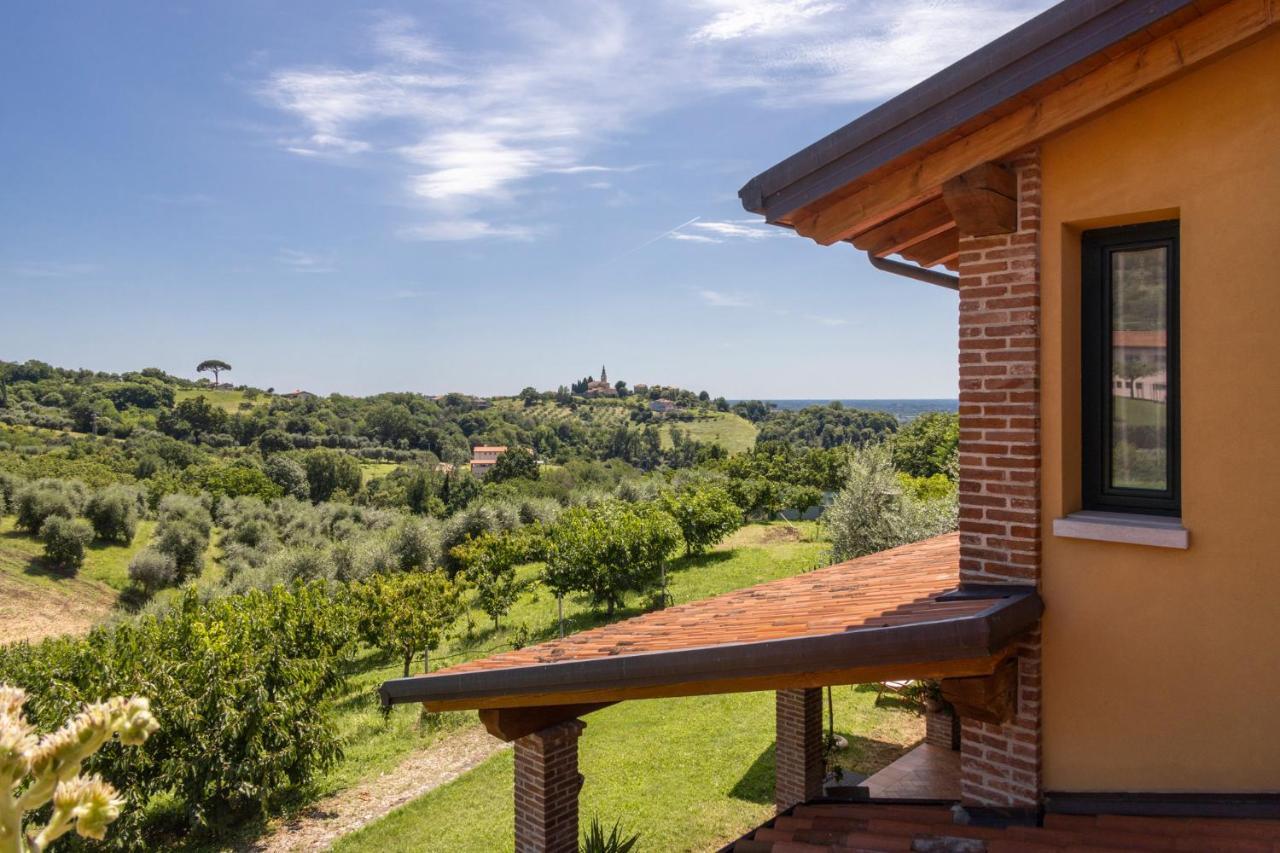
989,698
983,200
512,723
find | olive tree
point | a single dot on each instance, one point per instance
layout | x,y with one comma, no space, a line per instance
64,541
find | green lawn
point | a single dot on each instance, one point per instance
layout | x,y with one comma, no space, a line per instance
371,471
733,432
689,774
228,400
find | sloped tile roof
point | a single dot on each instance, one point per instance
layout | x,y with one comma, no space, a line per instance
883,609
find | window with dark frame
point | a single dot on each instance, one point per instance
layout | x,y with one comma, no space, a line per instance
1129,319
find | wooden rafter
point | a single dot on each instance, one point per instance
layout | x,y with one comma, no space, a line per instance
990,698
1123,77
936,250
914,226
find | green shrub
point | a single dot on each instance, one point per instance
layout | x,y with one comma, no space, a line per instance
113,512
184,543
242,688
153,570
874,512
179,507
64,541
38,501
288,474
415,544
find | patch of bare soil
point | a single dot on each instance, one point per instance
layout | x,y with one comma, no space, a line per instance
30,610
780,533
317,827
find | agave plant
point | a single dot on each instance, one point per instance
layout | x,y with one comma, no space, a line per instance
595,841
36,770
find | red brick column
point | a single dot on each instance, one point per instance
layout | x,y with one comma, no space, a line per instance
1000,471
546,788
799,767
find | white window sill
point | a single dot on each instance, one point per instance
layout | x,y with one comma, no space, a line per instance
1155,530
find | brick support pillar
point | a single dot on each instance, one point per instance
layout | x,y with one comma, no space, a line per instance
1000,472
799,766
547,782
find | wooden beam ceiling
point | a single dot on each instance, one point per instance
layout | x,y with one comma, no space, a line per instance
919,181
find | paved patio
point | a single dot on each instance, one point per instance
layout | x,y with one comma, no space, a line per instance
927,772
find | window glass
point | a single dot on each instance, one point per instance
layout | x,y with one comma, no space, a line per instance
1139,367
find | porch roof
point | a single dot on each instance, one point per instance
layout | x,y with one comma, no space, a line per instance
895,614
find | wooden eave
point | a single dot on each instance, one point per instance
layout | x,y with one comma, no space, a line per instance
878,182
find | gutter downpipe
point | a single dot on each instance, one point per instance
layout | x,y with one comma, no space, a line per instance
941,279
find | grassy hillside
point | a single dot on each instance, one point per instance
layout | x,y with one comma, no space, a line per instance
38,602
732,432
226,399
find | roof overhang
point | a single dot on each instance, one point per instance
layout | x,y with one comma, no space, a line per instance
893,615
878,182
961,646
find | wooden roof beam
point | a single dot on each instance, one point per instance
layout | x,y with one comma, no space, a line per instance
936,250
914,226
1199,41
983,200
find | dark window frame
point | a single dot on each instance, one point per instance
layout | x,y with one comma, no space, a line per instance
1096,376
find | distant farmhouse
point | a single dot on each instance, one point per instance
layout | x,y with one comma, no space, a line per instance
299,394
484,457
662,405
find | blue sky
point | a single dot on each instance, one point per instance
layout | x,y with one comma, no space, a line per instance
471,196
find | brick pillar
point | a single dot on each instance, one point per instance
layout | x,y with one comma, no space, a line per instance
1000,472
799,767
546,789
941,729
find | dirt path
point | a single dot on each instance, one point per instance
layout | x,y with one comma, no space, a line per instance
320,825
31,610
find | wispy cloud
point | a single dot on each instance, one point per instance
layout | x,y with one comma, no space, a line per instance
700,230
722,299
826,320
738,18
447,231
53,269
407,293
305,262
469,129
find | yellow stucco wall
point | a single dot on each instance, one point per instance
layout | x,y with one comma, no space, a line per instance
1162,667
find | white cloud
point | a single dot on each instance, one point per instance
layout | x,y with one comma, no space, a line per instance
305,262
692,238
466,229
407,293
541,92
53,269
738,18
826,320
721,299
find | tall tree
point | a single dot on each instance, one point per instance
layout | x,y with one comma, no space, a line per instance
214,366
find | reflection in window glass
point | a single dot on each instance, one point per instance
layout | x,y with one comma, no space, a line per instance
1139,363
